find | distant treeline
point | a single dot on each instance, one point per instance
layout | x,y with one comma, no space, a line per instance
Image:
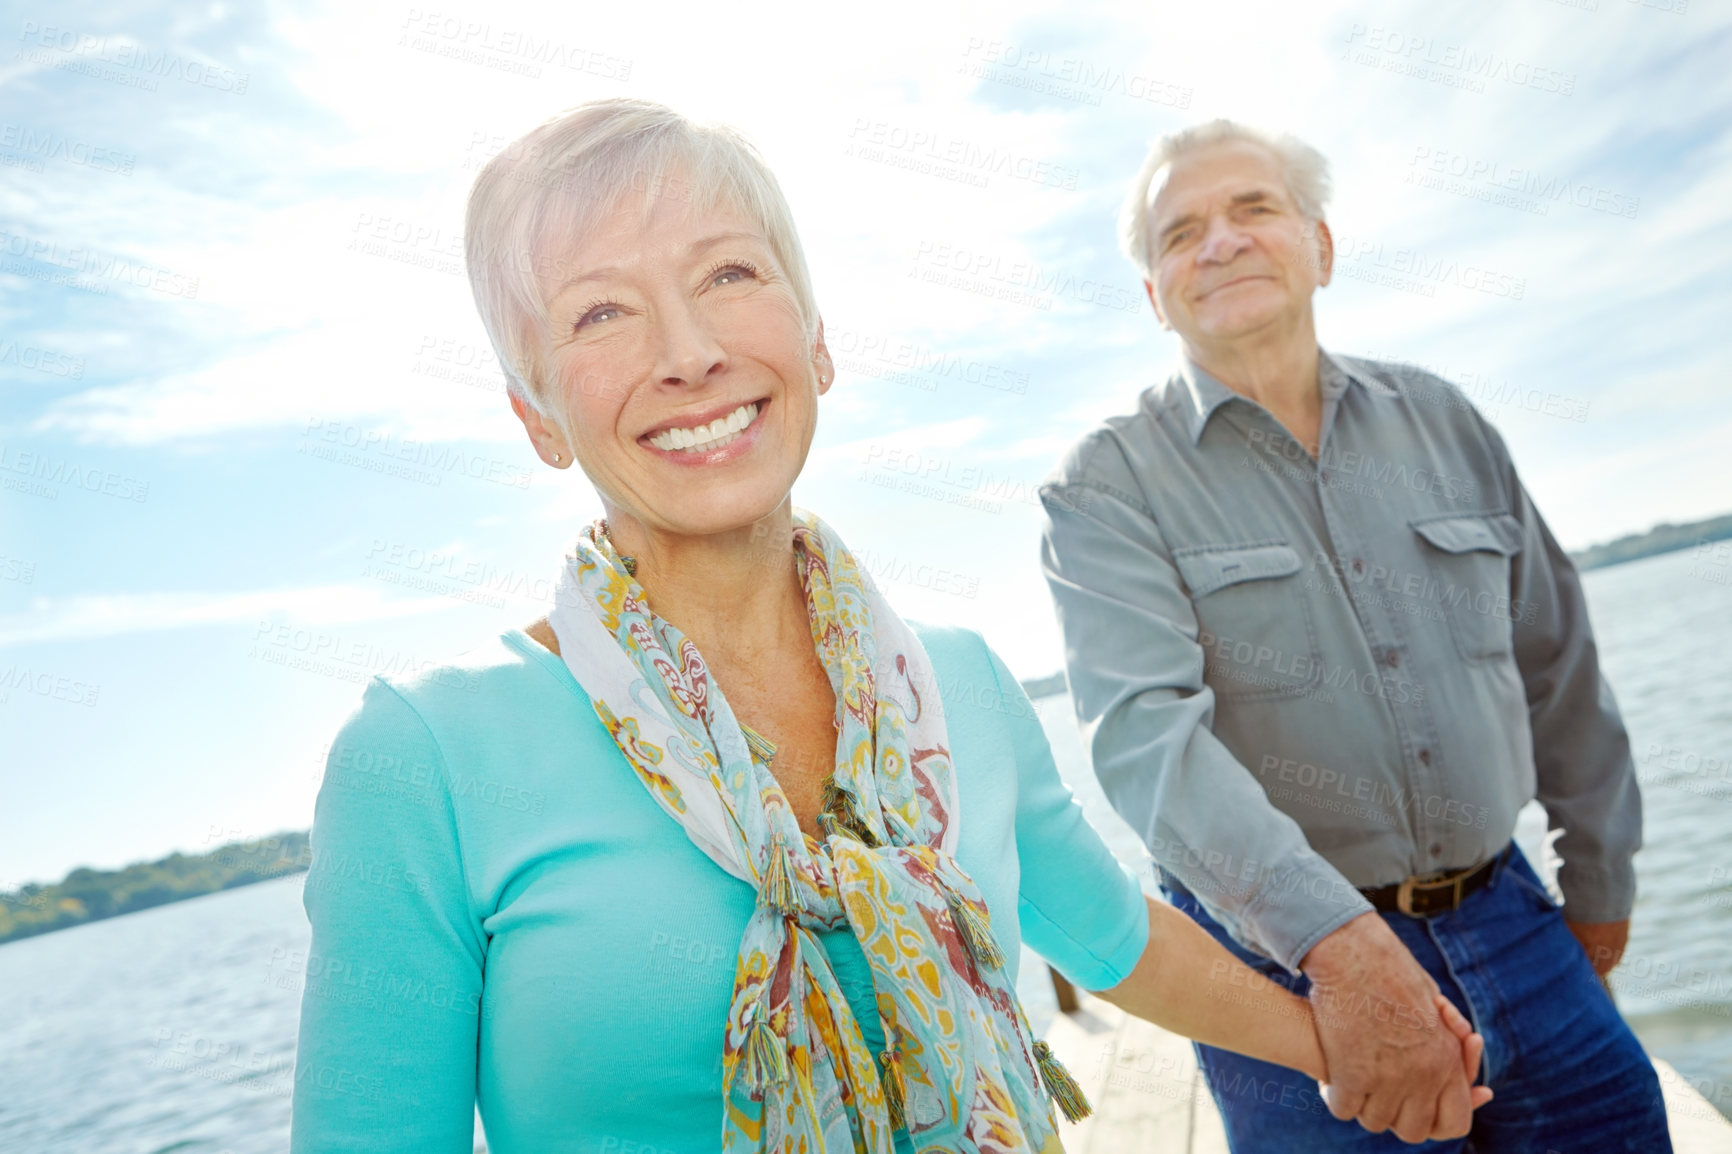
1662,538
88,895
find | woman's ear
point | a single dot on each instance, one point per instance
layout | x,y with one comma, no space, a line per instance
550,444
821,361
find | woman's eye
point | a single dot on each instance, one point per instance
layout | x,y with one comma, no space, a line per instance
596,314
728,274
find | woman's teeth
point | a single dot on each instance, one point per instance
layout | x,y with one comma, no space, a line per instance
703,438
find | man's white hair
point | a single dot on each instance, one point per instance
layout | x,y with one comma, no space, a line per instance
1305,170
538,198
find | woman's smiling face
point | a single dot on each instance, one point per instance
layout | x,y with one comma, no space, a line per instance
679,366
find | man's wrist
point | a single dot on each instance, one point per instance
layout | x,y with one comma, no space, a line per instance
1321,958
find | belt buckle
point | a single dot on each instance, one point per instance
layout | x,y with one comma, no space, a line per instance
1430,881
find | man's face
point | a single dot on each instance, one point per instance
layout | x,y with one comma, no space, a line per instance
1233,256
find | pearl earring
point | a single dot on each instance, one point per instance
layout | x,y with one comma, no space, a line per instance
556,458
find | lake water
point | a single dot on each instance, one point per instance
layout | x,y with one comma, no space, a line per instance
174,1029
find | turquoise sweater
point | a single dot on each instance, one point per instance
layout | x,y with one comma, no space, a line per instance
503,917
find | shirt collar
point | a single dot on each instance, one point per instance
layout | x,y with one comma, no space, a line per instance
1197,394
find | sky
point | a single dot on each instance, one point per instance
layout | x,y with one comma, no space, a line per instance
254,445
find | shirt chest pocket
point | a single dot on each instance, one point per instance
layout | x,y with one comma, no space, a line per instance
1470,562
1254,623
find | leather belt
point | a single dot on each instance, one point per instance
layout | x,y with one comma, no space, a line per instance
1439,892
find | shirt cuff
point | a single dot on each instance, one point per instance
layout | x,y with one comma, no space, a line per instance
1283,917
1598,893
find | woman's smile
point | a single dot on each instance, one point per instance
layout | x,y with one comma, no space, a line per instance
705,438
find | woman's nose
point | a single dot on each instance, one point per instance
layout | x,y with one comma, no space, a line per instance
690,351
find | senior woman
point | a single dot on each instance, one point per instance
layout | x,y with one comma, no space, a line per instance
722,854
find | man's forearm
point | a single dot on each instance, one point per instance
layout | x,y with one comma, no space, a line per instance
1188,983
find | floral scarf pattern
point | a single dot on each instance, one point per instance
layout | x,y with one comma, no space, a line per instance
960,1070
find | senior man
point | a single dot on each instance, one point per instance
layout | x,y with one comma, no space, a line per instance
1324,649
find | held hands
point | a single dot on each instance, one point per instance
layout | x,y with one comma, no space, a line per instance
1377,1014
1472,1045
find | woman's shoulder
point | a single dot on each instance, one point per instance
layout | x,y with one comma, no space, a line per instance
973,680
952,647
494,683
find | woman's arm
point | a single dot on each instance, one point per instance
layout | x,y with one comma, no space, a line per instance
390,1008
1188,983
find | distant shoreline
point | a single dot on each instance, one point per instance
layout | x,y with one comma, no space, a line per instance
1662,538
87,895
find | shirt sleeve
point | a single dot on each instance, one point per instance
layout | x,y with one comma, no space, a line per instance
1079,908
1586,778
1136,679
391,1005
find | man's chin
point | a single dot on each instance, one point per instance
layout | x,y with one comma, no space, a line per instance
1235,325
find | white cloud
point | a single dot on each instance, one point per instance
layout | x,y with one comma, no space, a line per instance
81,617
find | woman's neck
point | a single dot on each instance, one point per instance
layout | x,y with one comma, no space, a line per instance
737,595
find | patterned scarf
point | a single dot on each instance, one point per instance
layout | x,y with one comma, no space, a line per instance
960,1071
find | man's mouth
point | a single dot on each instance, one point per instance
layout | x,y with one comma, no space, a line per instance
1230,283
705,438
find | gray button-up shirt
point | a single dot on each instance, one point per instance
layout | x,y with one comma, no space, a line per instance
1298,677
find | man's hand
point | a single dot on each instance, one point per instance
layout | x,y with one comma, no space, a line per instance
1602,941
1391,1061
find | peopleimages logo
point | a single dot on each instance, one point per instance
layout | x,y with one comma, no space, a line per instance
83,48
43,471
1460,65
1438,167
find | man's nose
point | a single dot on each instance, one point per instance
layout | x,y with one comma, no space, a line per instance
689,350
1221,242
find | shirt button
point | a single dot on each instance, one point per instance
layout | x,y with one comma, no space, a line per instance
1436,850
1358,565
1425,757
1393,659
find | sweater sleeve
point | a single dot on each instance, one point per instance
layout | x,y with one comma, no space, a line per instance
390,1009
1079,908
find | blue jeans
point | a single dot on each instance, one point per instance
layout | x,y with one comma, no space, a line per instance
1569,1075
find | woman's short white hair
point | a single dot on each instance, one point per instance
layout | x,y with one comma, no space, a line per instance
544,192
1306,171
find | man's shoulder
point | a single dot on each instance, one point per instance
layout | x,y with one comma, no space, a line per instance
1429,393
1434,404
1102,457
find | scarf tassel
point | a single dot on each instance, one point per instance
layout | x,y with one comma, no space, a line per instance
777,888
838,817
894,1089
976,934
763,1062
1060,1085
